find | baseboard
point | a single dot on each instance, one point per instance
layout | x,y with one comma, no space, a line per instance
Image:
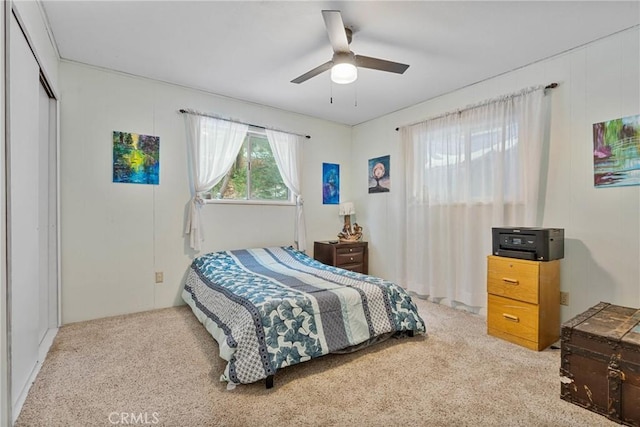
45,345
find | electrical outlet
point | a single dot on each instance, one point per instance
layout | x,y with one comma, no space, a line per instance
159,276
564,298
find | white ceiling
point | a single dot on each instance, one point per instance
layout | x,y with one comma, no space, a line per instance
251,50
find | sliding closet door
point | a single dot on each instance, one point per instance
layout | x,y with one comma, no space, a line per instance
23,207
5,401
50,139
47,215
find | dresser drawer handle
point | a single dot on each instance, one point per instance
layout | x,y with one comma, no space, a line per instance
511,317
351,258
350,249
510,281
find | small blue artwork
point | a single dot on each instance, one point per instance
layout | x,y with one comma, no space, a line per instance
330,184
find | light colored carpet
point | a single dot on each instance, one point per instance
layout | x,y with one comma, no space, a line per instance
163,365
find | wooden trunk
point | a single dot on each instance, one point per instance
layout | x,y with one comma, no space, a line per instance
600,366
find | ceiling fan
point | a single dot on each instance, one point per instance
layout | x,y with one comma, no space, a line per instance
344,63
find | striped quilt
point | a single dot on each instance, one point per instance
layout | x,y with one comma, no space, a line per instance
273,307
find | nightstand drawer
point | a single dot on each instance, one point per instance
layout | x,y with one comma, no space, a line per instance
350,250
512,278
358,268
513,317
355,257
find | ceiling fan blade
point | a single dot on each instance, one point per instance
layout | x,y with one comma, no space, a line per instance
380,64
306,76
335,29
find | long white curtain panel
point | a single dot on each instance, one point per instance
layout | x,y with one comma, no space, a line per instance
466,172
287,151
213,147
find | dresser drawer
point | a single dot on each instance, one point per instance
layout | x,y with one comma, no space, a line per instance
513,317
513,278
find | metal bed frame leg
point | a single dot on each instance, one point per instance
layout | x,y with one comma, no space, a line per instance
269,381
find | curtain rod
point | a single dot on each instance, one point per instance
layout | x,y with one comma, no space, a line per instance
184,111
549,86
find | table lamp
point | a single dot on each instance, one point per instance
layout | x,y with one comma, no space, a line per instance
349,233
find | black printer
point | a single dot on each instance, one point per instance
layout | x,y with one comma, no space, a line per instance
538,244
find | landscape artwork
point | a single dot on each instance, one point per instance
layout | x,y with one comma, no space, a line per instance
616,152
136,158
330,184
379,175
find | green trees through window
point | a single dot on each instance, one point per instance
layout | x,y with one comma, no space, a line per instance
254,175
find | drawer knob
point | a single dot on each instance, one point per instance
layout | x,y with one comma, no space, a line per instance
350,249
511,317
351,258
510,281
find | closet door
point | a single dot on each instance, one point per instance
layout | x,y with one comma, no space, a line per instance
23,207
47,216
50,142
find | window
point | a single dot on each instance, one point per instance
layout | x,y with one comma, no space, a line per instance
461,164
254,176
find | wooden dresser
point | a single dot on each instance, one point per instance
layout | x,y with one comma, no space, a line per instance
524,301
352,256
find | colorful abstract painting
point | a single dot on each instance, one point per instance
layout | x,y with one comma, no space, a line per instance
379,175
616,152
136,158
330,184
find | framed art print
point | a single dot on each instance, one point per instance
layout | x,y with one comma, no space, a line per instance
330,184
136,158
616,152
379,175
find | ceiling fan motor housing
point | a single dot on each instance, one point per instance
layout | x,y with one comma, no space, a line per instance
349,34
344,58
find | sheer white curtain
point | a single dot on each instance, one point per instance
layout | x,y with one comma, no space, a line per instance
466,172
213,147
287,152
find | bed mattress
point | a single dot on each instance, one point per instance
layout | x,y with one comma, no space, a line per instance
269,308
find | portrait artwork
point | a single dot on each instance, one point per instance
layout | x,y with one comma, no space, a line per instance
379,175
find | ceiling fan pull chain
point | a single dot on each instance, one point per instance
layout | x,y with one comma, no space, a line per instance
355,104
330,91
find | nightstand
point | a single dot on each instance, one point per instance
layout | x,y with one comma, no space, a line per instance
523,301
352,256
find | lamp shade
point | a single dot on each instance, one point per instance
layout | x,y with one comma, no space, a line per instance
347,208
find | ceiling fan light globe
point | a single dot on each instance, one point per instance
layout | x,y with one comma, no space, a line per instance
344,73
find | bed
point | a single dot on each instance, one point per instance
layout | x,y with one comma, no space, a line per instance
269,308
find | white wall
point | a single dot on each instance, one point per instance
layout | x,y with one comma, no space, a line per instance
598,82
115,236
